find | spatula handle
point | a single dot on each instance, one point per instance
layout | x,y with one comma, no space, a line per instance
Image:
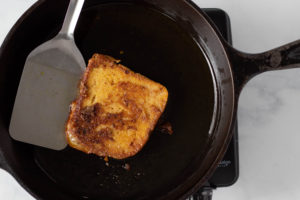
71,17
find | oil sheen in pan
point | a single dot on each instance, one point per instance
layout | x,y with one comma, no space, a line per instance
152,44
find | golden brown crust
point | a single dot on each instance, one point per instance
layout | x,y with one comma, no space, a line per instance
115,111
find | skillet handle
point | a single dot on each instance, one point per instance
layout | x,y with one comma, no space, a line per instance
245,66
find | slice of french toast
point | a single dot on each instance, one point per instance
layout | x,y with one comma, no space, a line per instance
115,111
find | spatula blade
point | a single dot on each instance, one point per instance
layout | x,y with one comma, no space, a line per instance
41,106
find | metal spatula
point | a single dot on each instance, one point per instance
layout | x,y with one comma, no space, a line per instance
47,87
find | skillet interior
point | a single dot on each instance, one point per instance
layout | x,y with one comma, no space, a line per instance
153,45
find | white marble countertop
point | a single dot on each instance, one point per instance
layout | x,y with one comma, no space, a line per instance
269,109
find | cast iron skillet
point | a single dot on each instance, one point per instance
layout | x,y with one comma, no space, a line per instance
171,42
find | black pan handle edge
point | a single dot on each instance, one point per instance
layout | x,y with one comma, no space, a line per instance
245,66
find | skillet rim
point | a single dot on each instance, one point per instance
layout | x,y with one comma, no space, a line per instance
232,112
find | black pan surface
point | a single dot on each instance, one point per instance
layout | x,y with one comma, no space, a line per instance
154,45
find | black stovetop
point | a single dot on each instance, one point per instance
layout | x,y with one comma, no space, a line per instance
228,170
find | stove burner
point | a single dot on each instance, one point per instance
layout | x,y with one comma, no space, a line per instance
228,170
